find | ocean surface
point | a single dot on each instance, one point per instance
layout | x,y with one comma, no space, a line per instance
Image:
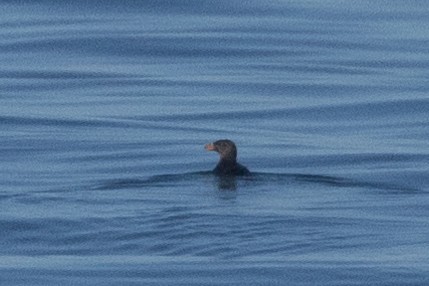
105,107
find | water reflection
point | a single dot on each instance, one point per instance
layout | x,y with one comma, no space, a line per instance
226,183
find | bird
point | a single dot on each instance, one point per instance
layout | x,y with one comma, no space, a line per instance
227,165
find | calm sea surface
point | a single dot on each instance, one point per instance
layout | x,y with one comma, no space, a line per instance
105,107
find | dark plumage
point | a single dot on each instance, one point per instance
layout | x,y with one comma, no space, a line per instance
228,164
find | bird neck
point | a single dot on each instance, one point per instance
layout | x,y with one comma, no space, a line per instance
227,159
225,166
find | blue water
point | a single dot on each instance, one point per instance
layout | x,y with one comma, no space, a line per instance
105,107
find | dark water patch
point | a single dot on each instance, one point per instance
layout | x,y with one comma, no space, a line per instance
383,63
345,112
43,85
255,179
149,46
51,235
228,85
162,7
59,75
357,159
56,122
205,46
391,129
334,69
255,28
6,196
111,156
43,22
198,272
191,233
159,181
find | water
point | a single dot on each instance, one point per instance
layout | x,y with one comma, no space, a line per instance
105,109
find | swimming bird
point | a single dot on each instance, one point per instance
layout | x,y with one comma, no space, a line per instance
227,165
